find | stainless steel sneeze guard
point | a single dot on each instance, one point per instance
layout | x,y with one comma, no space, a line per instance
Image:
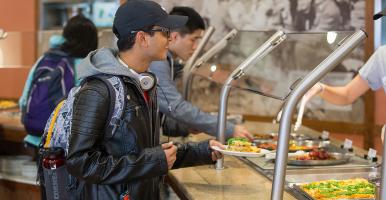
285,123
187,78
189,64
258,54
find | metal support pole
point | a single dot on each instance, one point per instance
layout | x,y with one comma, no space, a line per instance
187,80
285,123
222,120
190,63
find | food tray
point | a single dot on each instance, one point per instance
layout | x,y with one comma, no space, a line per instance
262,138
306,145
301,137
308,197
272,137
309,143
8,105
339,159
302,192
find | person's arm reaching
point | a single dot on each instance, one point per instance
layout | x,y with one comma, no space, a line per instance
193,153
346,94
369,77
337,95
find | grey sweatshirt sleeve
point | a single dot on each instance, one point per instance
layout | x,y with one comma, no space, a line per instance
182,110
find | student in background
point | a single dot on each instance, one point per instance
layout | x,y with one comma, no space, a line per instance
53,75
180,117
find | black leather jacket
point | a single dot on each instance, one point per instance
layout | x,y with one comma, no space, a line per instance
107,165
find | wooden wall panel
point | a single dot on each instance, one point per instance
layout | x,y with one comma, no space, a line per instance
19,17
12,81
380,107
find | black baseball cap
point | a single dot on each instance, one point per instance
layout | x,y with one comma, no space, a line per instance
134,15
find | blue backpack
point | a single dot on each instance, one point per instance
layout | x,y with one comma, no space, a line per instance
52,80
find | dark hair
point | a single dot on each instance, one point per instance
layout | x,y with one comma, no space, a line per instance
194,22
128,42
81,36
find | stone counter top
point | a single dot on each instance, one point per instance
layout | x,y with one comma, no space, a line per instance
236,181
11,128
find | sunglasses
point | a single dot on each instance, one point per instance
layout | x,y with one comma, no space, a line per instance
164,30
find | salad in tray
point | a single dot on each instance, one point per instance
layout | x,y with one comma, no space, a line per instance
358,188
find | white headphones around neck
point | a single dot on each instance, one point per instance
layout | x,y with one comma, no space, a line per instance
146,80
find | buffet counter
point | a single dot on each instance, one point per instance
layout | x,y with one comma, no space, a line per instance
236,181
14,185
11,129
244,179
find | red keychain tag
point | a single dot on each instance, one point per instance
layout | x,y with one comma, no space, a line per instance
125,196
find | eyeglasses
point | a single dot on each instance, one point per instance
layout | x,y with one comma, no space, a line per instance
164,30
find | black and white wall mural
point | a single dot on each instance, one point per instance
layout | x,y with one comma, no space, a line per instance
308,21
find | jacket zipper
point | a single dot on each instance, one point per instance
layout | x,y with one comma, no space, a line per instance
136,110
150,117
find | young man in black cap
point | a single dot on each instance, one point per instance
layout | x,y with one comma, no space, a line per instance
181,117
129,162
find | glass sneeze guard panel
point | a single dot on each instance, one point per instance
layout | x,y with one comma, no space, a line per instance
276,73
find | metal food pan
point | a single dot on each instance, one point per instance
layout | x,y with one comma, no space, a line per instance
312,143
308,197
339,159
270,137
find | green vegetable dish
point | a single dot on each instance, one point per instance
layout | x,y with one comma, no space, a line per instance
340,189
232,141
241,145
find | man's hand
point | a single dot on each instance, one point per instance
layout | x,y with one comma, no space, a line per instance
170,153
215,154
241,131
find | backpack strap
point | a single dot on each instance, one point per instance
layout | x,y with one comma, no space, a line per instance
58,54
117,93
51,127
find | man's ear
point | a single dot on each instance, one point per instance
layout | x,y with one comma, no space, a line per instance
174,36
142,39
